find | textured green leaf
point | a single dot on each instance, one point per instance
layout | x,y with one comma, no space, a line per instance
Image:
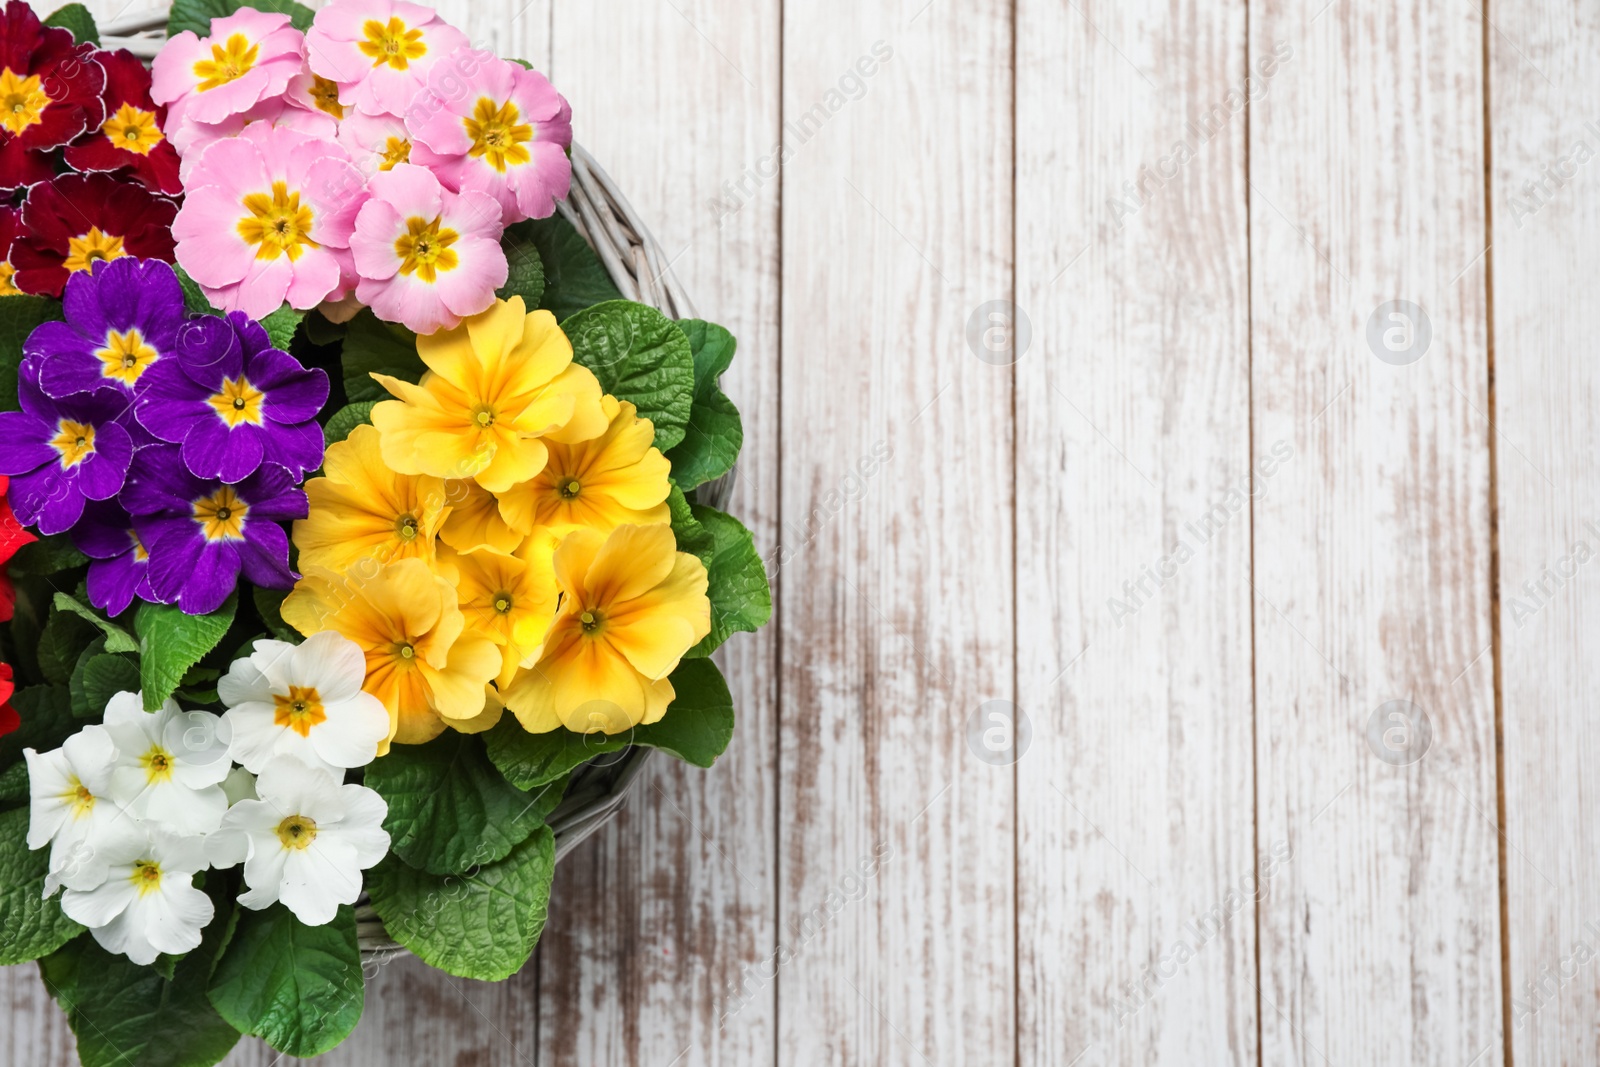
76,19
269,605
97,679
691,536
18,317
347,419
30,926
641,357
714,434
117,639
46,714
171,642
194,298
449,809
532,761
196,15
281,325
372,346
14,785
65,637
46,556
525,276
699,722
741,599
483,924
299,988
574,277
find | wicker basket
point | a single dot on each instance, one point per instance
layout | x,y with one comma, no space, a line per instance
599,211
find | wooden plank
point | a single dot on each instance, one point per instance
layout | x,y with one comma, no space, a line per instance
652,922
1546,134
1380,942
896,933
1135,856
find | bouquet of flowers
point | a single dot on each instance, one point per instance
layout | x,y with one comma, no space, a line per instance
347,511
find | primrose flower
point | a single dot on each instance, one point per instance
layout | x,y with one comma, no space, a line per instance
169,763
360,509
72,222
191,139
427,257
495,386
50,87
379,51
304,701
268,217
375,142
617,479
10,721
511,598
122,318
119,567
130,138
234,402
70,807
10,222
203,533
305,842
249,57
12,537
422,662
488,124
631,606
63,452
475,520
147,904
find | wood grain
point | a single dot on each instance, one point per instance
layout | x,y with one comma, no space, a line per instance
896,888
1546,133
1380,941
1136,918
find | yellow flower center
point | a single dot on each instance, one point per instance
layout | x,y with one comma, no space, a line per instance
93,247
140,553
424,249
406,651
221,515
297,831
300,710
8,287
406,527
74,440
279,223
484,417
77,798
503,603
393,43
228,62
146,877
569,489
497,136
325,94
239,401
125,356
133,130
396,150
22,100
591,622
157,764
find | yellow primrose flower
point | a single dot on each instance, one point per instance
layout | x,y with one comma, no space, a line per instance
475,520
423,662
362,509
631,606
616,479
511,599
496,386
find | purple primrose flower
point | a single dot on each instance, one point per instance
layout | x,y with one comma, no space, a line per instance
122,319
115,542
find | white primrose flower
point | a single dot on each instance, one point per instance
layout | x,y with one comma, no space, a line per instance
147,904
170,764
304,701
70,807
305,842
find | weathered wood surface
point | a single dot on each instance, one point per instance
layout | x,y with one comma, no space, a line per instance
959,530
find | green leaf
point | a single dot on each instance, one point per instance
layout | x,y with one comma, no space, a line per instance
269,605
14,784
194,298
196,15
525,277
299,988
117,639
372,346
449,809
320,331
63,640
281,325
691,536
699,722
125,1015
347,419
46,714
532,761
98,677
483,924
574,277
30,926
171,642
641,357
714,434
19,315
46,556
76,19
741,599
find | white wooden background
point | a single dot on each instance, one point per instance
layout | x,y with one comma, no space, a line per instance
1199,858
